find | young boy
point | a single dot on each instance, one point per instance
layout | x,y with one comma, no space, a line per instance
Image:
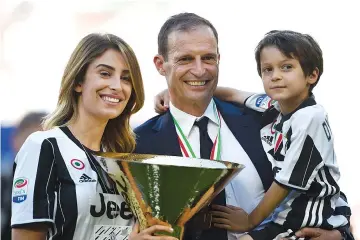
296,137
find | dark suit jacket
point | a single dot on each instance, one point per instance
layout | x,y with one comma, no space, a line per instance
158,136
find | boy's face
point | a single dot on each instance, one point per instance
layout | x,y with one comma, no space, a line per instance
283,77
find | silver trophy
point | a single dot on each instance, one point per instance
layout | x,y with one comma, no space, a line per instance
167,190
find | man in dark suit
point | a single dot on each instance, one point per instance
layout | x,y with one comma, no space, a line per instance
199,125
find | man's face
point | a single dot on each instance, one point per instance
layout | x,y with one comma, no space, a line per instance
192,69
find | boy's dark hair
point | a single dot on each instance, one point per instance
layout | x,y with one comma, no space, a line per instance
180,22
294,45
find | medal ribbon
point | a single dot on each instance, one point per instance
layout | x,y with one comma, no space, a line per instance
186,148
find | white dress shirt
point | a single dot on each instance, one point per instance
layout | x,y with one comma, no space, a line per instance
246,189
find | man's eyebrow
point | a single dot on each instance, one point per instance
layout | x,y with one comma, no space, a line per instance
107,66
211,54
182,56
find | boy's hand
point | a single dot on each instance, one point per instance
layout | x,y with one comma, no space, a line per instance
230,218
161,102
319,234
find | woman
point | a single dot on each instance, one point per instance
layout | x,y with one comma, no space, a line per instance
60,190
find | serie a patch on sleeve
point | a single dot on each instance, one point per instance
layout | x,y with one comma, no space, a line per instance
20,188
264,101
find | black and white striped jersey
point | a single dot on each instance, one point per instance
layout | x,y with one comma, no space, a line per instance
300,148
57,181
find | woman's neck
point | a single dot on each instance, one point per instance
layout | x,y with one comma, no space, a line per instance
88,131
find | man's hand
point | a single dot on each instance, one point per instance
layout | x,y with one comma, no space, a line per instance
230,218
318,234
148,234
161,102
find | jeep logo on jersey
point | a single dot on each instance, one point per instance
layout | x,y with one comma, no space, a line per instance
19,193
111,209
78,164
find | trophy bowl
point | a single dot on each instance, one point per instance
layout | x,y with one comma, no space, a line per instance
167,190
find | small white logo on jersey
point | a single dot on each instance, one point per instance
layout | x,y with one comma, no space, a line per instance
112,232
268,139
86,178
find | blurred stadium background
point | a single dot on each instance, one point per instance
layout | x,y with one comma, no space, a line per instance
38,36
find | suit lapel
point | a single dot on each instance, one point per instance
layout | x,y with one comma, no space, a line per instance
244,127
246,130
167,136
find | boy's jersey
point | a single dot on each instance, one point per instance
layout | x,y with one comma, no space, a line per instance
57,181
300,148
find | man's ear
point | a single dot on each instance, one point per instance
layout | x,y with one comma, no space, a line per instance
313,77
159,64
